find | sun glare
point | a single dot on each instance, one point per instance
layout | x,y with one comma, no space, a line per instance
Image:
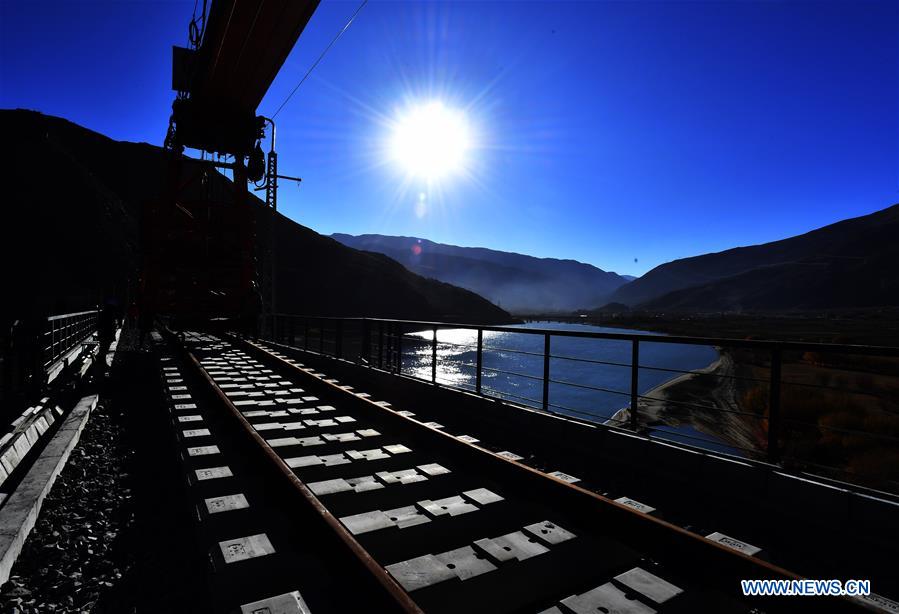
431,141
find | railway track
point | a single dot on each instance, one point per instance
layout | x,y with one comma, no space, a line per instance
312,495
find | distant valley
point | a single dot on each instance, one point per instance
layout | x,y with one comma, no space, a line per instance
851,264
516,282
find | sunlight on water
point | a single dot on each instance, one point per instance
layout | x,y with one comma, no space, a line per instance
456,356
590,378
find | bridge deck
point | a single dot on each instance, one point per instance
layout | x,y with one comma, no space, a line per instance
387,509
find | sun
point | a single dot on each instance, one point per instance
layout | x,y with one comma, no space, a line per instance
431,141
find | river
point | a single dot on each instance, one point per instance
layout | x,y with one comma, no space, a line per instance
590,378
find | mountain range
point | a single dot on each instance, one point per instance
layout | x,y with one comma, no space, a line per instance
519,283
849,264
846,265
72,225
73,202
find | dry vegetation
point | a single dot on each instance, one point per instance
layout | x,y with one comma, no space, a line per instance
839,413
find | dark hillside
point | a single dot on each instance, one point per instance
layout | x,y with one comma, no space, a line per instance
850,264
71,235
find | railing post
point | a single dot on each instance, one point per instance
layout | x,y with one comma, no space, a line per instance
321,337
380,345
52,341
366,342
390,346
434,356
546,339
635,383
305,333
480,361
399,349
293,331
774,405
338,342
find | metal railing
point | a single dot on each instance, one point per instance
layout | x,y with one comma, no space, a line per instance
64,332
760,395
33,352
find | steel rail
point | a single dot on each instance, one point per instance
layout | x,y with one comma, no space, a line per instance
486,456
402,598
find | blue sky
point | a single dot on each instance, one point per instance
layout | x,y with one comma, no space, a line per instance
605,131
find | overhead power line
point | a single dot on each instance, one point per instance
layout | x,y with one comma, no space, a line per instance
314,64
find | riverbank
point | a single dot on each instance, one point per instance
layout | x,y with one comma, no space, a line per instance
706,401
